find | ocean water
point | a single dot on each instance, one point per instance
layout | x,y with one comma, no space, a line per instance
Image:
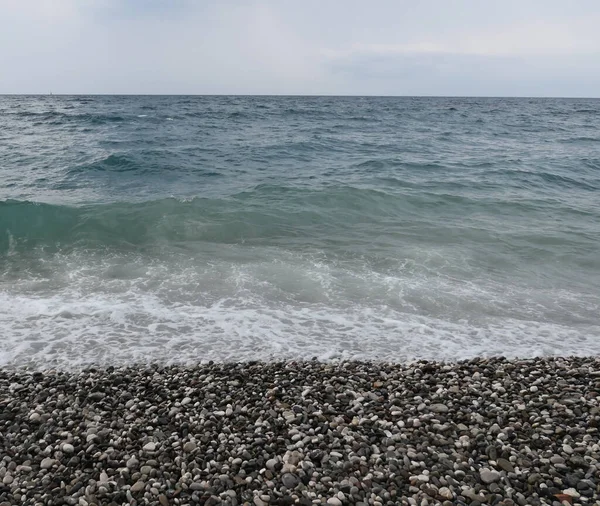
178,229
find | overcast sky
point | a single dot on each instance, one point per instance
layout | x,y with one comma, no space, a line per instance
339,47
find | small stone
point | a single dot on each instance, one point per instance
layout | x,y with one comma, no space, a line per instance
271,463
149,447
505,465
439,408
138,486
68,448
146,470
446,493
557,459
185,401
258,501
47,463
489,476
162,498
8,479
290,480
132,463
334,501
189,447
568,449
35,417
571,492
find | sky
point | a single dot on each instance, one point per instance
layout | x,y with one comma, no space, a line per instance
301,47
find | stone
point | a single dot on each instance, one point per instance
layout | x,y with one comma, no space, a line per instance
189,447
567,448
445,493
68,448
345,440
488,476
505,465
47,463
138,486
289,480
439,408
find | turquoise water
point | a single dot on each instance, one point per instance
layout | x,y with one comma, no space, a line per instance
221,228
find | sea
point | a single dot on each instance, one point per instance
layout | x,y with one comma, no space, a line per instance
185,229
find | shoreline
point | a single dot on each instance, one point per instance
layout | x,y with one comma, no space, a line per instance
480,431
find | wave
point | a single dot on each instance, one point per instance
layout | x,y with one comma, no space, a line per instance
541,179
270,214
264,213
57,117
112,162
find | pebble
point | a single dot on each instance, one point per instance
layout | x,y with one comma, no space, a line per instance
47,463
189,447
568,449
505,465
313,432
68,448
445,493
138,486
289,480
571,492
439,408
489,476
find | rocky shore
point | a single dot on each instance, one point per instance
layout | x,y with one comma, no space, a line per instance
486,431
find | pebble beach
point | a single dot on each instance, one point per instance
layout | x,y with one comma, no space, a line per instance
479,432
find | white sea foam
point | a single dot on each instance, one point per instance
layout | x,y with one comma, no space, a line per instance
117,310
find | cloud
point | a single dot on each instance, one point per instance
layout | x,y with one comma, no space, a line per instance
530,39
455,74
310,47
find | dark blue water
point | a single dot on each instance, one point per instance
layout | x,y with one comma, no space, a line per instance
190,228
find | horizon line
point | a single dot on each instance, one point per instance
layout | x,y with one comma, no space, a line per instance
287,95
